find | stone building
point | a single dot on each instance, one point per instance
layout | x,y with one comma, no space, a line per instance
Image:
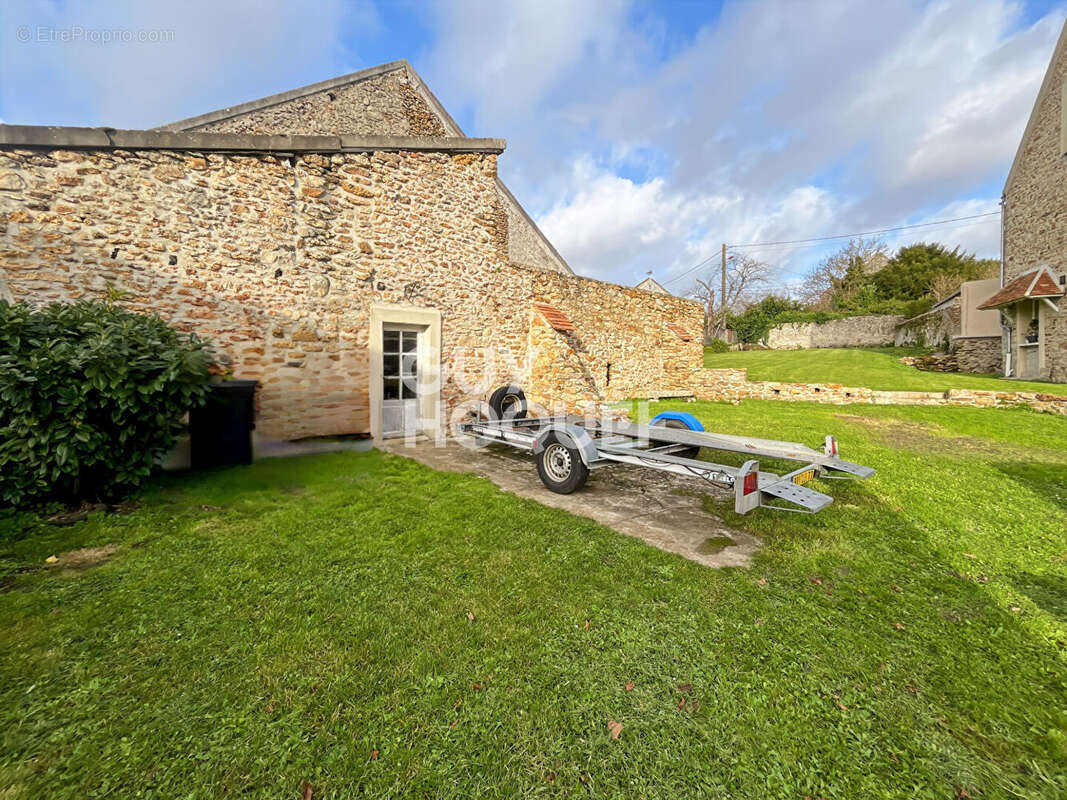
650,284
345,245
1034,231
959,326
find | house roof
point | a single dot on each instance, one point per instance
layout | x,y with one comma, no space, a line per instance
1060,51
451,126
1034,284
650,284
554,317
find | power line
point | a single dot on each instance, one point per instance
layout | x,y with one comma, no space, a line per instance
865,233
817,243
819,239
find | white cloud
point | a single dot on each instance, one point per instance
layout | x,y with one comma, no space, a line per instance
206,54
777,121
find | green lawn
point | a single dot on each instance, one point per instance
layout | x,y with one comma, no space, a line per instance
260,627
874,367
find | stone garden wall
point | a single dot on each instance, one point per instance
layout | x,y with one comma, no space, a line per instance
869,331
732,385
932,329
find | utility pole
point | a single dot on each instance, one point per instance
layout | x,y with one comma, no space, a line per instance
722,296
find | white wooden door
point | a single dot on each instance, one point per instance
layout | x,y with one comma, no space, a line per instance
401,346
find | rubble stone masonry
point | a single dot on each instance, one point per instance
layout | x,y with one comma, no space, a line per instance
391,103
877,330
733,386
1035,211
278,259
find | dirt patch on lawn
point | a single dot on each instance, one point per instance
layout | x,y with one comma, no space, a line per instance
83,559
926,438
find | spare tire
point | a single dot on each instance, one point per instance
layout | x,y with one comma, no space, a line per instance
688,452
508,402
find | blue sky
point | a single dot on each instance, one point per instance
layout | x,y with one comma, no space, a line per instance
640,135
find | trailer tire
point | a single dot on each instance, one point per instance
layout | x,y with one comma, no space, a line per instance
560,467
689,452
509,402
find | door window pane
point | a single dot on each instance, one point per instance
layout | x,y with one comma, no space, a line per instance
410,387
391,389
410,364
391,341
390,364
410,341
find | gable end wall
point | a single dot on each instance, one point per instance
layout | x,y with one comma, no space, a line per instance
1035,210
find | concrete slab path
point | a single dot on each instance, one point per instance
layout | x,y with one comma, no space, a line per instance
659,508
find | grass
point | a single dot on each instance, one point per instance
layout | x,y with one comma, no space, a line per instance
260,627
873,367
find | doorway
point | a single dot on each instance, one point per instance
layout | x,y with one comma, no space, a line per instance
401,345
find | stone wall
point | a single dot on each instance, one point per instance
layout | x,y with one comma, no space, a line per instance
871,331
979,353
933,329
1035,210
385,103
278,260
732,386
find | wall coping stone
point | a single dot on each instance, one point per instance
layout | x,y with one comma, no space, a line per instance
52,136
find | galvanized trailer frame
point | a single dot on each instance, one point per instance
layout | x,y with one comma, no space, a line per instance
601,442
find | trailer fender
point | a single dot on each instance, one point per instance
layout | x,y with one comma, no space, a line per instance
688,420
572,436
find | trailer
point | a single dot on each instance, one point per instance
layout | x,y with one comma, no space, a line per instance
566,448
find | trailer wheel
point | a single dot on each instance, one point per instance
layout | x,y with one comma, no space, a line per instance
509,402
560,467
689,452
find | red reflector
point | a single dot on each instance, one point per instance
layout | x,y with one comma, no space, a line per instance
751,483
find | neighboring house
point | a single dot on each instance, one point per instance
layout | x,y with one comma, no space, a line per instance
957,324
1034,234
650,284
343,244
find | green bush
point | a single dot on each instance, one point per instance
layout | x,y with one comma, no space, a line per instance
752,325
91,398
717,346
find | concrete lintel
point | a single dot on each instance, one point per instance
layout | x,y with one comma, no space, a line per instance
51,137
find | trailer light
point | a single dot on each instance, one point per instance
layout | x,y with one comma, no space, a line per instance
751,483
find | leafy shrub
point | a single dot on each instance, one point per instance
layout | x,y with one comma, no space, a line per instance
717,346
91,397
752,325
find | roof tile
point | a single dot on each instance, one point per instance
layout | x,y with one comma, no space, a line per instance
554,317
680,332
1035,283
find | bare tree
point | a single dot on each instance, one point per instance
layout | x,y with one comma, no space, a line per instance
747,279
828,277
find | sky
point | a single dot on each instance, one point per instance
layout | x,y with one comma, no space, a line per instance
641,136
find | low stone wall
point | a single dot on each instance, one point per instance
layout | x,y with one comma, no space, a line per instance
875,330
732,386
979,353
